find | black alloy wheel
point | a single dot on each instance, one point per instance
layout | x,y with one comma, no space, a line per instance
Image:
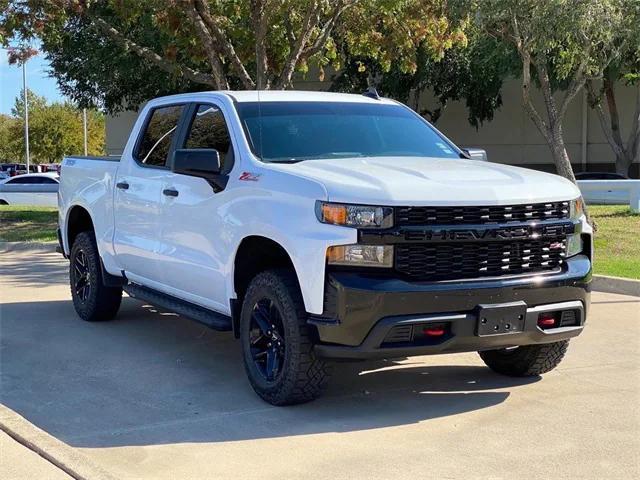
266,336
92,299
277,342
82,276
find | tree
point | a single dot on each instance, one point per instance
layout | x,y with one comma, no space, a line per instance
233,44
623,69
55,130
474,73
561,43
9,151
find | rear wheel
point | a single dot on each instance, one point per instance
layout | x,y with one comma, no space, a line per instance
527,360
277,343
92,300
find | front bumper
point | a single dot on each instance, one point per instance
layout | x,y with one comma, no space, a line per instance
362,310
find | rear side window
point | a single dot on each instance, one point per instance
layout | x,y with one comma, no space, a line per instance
154,146
46,180
22,180
209,130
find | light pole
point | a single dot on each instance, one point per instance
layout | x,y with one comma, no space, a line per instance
84,129
26,112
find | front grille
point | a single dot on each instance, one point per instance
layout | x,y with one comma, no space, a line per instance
481,214
437,262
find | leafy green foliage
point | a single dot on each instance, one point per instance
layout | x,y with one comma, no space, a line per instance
473,73
118,53
55,130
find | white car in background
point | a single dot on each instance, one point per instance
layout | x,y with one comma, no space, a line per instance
39,189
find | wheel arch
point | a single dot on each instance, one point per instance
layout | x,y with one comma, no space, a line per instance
254,255
78,220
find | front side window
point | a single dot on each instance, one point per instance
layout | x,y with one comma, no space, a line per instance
209,130
296,131
155,143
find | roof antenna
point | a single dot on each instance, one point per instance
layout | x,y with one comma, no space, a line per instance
371,92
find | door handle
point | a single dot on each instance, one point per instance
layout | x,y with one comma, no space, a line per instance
122,185
170,192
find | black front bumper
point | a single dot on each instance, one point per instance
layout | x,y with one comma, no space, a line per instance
362,312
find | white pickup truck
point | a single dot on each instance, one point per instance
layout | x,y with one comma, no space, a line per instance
320,226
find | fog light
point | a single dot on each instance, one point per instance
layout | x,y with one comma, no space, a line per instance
574,244
361,255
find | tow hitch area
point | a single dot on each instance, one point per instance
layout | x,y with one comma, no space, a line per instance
501,319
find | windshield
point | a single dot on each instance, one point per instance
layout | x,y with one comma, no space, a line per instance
296,131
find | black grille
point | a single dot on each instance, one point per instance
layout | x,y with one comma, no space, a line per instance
479,215
437,262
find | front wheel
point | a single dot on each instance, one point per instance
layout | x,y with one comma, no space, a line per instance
277,343
527,360
92,300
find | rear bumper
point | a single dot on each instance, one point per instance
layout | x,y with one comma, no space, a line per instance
362,312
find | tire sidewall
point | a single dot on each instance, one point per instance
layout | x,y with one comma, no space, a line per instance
267,285
85,243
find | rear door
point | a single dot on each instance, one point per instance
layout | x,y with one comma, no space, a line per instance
137,198
194,248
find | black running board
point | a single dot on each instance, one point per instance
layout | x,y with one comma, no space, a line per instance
212,319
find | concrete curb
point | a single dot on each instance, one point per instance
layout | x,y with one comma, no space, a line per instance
6,247
66,458
623,286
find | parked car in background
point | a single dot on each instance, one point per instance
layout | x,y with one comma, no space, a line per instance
30,189
3,175
606,197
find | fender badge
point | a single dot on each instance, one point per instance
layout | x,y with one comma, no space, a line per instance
249,177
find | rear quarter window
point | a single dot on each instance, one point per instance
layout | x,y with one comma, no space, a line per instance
160,128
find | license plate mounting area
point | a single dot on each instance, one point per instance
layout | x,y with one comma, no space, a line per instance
501,318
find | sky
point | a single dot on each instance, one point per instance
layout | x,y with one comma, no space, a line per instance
38,81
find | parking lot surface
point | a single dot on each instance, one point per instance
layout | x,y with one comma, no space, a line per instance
154,395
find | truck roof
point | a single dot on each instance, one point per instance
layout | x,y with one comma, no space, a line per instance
300,96
242,96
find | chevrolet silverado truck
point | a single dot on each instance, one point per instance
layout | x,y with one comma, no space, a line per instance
322,226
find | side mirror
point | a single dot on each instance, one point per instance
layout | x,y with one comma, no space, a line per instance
200,162
476,154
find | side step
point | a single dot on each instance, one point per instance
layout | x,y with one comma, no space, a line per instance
212,319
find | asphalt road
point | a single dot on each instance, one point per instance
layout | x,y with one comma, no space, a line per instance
153,395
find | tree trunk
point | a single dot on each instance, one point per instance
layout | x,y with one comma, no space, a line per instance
623,163
559,152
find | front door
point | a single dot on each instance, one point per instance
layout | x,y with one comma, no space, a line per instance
193,246
137,199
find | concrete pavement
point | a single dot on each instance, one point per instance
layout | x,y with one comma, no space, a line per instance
153,395
17,462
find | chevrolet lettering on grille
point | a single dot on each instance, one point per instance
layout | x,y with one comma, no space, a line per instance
480,233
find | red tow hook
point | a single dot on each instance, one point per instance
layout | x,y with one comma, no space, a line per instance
433,331
546,320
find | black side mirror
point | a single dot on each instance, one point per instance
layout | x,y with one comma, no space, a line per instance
200,162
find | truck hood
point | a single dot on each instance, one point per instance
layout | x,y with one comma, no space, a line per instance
430,181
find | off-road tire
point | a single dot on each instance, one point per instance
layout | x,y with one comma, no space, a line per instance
527,360
101,303
303,375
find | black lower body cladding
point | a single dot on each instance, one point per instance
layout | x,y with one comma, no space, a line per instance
372,316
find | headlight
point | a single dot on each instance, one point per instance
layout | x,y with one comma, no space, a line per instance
577,208
358,216
574,241
361,255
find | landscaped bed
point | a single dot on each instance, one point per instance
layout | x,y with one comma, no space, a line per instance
617,239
